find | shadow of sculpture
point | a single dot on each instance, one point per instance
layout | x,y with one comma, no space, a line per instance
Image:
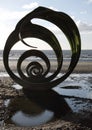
35,104
49,100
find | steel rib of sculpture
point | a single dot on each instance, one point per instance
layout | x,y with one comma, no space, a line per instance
36,75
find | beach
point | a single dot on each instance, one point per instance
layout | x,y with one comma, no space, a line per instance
70,121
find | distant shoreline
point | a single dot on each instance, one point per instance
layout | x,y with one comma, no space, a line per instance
84,64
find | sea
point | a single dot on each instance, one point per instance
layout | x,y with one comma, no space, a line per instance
86,55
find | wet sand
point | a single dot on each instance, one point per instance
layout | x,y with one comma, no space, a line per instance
82,66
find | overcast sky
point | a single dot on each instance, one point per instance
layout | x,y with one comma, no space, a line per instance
11,11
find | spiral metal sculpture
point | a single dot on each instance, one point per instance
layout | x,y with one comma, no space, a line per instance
36,77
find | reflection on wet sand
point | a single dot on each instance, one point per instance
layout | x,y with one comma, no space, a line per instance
37,107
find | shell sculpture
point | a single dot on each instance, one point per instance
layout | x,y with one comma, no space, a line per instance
38,78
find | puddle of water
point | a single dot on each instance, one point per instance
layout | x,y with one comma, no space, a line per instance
22,119
77,85
36,108
4,74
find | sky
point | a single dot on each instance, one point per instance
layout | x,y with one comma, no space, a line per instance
11,11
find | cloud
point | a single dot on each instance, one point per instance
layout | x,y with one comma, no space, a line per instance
53,8
6,15
89,1
8,21
84,27
30,6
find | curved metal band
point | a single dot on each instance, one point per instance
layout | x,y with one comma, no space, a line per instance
25,29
